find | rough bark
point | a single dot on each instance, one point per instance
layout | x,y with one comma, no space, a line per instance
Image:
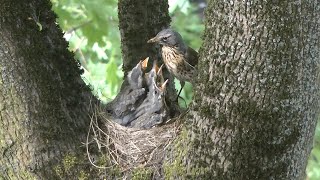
44,104
138,22
255,106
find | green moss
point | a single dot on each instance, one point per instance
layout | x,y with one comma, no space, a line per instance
103,160
59,171
77,167
176,168
69,161
83,175
115,171
141,173
21,174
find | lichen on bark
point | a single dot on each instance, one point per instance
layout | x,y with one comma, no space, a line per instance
255,105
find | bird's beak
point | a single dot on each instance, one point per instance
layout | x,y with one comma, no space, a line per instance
163,86
153,40
160,70
144,63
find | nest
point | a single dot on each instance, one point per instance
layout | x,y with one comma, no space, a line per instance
129,148
135,129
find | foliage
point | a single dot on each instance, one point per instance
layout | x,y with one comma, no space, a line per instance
91,27
313,168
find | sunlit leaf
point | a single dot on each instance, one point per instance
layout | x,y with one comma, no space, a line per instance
112,77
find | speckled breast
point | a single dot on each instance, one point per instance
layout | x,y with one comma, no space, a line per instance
176,64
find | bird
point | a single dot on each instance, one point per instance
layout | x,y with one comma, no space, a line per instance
179,59
153,109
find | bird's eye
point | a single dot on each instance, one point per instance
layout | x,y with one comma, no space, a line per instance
164,38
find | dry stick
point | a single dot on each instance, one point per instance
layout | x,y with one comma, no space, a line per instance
87,145
107,146
112,153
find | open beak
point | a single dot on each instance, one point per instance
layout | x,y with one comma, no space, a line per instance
153,40
144,63
160,70
163,86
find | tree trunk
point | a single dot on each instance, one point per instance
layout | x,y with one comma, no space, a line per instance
255,106
138,22
44,109
44,104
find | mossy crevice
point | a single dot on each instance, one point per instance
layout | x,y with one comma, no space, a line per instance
174,166
73,165
142,173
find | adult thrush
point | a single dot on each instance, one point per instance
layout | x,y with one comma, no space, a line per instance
179,58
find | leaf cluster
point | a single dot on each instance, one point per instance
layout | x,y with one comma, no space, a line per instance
91,27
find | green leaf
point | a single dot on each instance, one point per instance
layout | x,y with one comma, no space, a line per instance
112,78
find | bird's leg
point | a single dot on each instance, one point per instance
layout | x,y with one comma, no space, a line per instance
182,85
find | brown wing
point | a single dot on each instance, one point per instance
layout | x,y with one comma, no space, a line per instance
192,56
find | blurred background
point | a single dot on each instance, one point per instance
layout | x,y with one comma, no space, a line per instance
96,44
91,27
